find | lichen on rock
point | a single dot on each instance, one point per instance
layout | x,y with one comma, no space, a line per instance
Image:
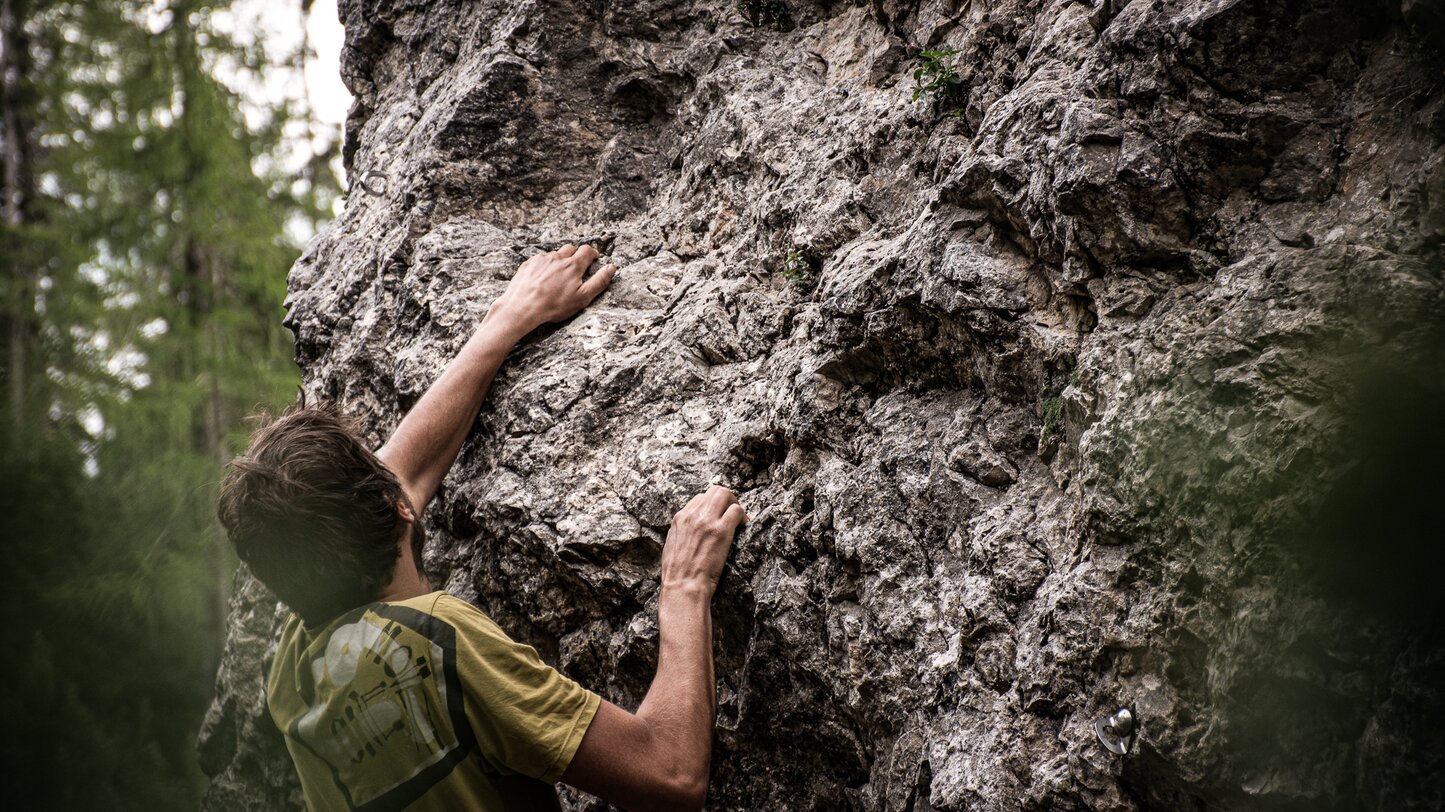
1030,447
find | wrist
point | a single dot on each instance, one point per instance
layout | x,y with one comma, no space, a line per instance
506,318
688,590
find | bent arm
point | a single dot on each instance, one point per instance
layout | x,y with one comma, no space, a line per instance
658,758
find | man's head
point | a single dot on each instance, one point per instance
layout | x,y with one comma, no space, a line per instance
315,514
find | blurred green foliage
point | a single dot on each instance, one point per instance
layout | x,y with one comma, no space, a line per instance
142,272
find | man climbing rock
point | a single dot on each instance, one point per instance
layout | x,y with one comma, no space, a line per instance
392,695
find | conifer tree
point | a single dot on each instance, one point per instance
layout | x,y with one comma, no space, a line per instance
144,251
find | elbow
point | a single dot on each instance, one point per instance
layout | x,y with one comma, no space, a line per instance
684,794
680,788
679,777
693,793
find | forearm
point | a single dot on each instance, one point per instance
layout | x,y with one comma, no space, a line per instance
546,288
424,446
680,706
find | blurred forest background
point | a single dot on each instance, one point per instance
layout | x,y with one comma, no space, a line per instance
151,211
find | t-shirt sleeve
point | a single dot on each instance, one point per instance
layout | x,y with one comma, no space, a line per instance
528,718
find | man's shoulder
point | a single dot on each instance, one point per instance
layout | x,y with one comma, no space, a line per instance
438,611
301,649
440,618
453,611
439,602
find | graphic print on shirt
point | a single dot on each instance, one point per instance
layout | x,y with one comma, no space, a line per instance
386,709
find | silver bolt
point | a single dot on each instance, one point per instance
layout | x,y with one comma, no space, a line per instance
1117,731
374,182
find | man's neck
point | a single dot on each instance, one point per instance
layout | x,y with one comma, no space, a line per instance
405,586
407,579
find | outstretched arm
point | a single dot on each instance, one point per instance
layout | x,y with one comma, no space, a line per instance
547,287
658,758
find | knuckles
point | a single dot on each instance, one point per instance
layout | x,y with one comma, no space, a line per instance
700,517
699,525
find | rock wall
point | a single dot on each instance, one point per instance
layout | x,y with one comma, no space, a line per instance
1033,385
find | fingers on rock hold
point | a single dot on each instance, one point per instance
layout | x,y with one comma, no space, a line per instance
736,514
580,256
598,282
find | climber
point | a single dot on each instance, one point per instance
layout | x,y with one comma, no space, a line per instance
391,694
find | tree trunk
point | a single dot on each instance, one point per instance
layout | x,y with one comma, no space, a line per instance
201,280
20,307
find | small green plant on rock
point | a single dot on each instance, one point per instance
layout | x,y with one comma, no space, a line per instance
1053,409
937,80
773,14
798,269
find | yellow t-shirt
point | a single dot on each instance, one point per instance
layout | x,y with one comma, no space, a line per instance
423,704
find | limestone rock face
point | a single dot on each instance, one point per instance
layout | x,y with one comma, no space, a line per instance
1030,384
